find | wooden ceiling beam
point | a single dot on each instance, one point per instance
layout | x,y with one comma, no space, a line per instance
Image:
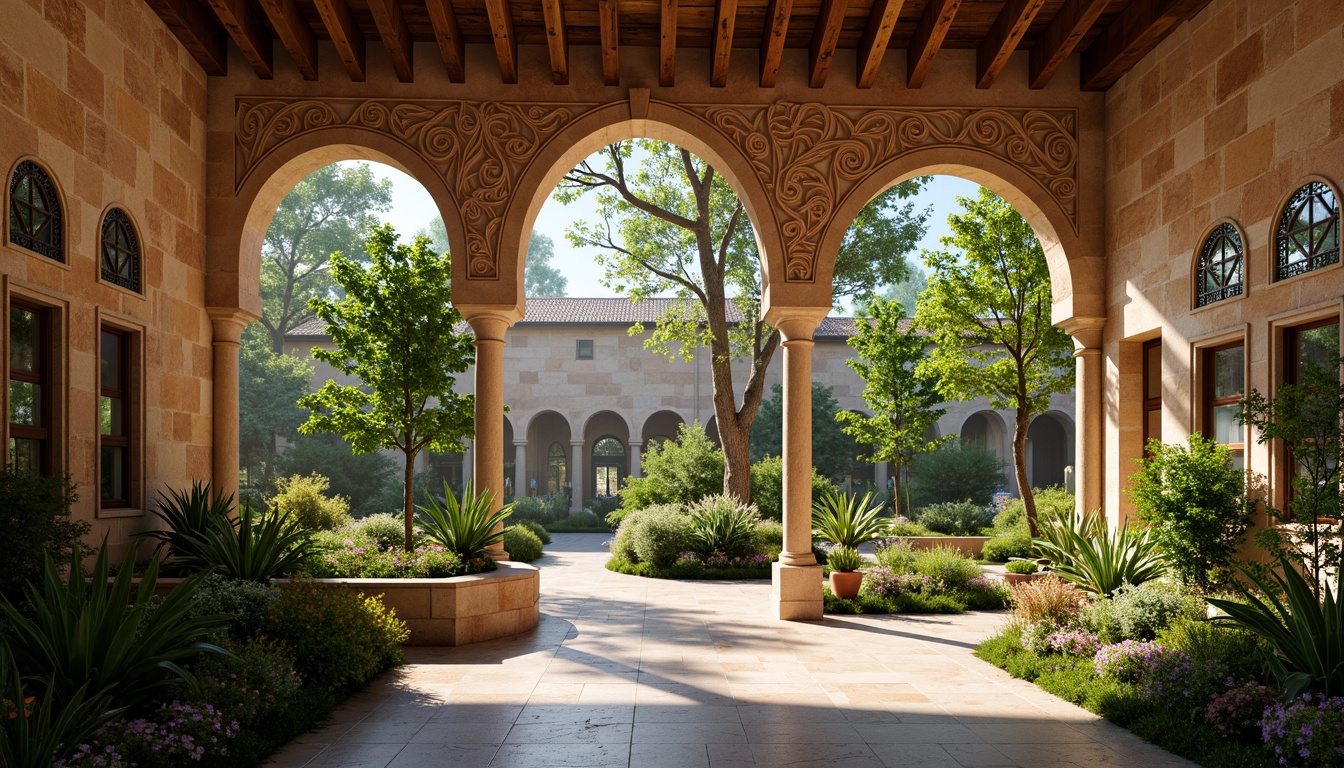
824,38
876,37
294,33
725,18
506,43
449,39
345,36
772,40
998,46
396,37
251,36
667,45
197,31
557,40
928,38
1136,31
1066,30
609,32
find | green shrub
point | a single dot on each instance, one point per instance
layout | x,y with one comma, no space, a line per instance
533,509
1007,546
845,559
955,518
365,560
1022,566
541,533
903,527
338,638
898,556
1136,612
956,471
847,519
521,543
655,535
601,506
721,525
203,534
466,528
946,566
1194,501
1085,551
250,686
371,482
768,538
1053,503
1243,653
767,487
582,521
246,603
304,500
35,523
680,471
387,529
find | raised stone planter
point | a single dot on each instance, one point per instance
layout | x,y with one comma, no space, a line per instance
971,546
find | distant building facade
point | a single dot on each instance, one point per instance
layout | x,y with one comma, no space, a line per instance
586,400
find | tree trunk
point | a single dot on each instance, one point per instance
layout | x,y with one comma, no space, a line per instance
408,501
736,456
896,491
1023,421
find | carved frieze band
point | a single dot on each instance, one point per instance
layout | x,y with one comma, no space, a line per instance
807,156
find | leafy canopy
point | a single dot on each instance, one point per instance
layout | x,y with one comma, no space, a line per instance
269,386
833,451
540,278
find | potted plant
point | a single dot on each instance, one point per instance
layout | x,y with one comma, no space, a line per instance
1018,571
845,577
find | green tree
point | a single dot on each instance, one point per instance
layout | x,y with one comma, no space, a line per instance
362,478
670,223
681,471
955,471
903,401
269,387
323,214
906,293
833,451
539,277
395,332
987,310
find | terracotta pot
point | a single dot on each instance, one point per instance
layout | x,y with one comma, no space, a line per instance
1018,578
845,584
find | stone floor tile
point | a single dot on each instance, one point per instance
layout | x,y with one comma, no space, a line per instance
816,755
562,756
918,733
701,713
570,733
805,732
461,732
441,755
550,713
356,756
689,733
669,756
914,756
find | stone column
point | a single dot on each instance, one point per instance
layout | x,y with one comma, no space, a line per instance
796,584
519,469
467,461
227,335
1089,438
880,476
488,444
635,446
576,472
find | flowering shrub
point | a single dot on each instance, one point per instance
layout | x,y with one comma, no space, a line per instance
1306,733
884,582
896,555
246,603
177,733
366,559
747,561
1164,678
258,680
1238,711
1126,661
337,637
1051,600
1046,638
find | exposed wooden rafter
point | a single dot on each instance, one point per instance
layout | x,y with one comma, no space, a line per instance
557,40
244,25
667,45
294,33
876,37
197,31
1012,23
506,43
345,36
1136,31
1066,30
725,18
396,37
452,47
929,35
825,36
609,34
772,40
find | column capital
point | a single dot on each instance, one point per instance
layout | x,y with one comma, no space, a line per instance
489,322
577,443
519,443
1086,332
634,443
228,323
796,323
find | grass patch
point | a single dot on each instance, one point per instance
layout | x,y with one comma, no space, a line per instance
684,571
565,526
915,603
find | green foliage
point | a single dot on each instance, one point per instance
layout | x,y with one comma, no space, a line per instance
688,569
873,604
582,521
533,509
767,486
269,387
186,515
956,471
1194,502
81,636
337,638
467,527
903,401
366,479
1137,612
955,518
543,535
1306,633
395,332
946,566
1022,566
363,559
256,682
45,730
386,530
539,277
203,535
1048,601
846,519
1085,551
246,603
680,471
1006,546
1052,503
721,525
654,535
35,523
1242,652
304,501
844,559
833,450
522,543
899,557
768,538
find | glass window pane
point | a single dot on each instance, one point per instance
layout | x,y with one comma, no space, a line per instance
111,416
1154,424
25,403
1225,426
1317,347
1239,459
1153,372
113,473
111,360
25,455
23,340
1229,372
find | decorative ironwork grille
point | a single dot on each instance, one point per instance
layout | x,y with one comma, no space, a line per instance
121,250
1308,236
1220,266
35,211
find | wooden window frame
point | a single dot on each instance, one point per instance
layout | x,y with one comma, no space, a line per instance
125,441
1150,404
579,349
1208,385
1283,268
43,350
46,186
1290,375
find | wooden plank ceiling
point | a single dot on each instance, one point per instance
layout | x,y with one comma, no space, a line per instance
1110,35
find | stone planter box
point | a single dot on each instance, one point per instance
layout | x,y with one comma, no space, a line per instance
971,546
1022,578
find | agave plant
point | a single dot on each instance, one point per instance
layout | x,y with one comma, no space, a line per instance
82,638
35,732
468,527
257,547
188,514
846,520
724,526
1307,634
1085,551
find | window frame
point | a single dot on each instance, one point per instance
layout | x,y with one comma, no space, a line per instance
133,414
118,215
1208,374
1278,238
43,378
1222,229
53,252
1150,404
1288,372
579,349
123,393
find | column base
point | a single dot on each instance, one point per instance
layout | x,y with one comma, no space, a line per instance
795,592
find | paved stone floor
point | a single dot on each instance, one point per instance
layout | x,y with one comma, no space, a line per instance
645,673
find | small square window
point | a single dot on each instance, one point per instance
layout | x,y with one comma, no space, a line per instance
583,349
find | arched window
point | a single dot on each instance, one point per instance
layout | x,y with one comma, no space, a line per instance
608,466
121,250
1308,236
35,212
556,470
1220,266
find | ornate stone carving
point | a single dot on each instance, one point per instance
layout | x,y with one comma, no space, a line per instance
479,149
808,156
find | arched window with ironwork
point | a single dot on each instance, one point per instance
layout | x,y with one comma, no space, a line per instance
120,257
557,471
608,466
1308,232
1221,271
35,217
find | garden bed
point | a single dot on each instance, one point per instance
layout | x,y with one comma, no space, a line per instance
971,546
690,570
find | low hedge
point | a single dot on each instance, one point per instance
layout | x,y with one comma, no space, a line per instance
687,570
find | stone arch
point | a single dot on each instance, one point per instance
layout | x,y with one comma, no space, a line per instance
599,426
1050,448
660,425
987,428
544,429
